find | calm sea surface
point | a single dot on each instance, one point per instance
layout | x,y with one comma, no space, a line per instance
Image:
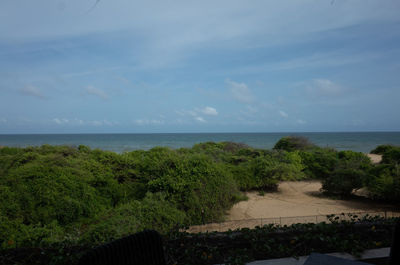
356,141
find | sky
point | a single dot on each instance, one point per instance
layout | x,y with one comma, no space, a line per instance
125,66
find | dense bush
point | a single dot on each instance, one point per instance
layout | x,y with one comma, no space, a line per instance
384,181
254,168
153,212
241,246
66,188
319,162
343,181
391,156
350,173
68,195
292,143
381,149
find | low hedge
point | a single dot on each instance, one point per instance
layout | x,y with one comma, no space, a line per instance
241,246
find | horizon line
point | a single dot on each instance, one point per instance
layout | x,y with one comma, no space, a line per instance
278,132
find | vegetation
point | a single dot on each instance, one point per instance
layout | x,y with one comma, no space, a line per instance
273,241
50,193
292,143
60,196
344,233
350,172
384,180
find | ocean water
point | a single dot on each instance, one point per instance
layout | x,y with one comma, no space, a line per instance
356,141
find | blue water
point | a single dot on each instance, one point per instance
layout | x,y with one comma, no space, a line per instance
356,141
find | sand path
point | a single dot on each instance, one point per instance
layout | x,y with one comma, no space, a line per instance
300,198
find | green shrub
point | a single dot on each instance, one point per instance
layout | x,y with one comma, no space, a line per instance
59,194
392,156
153,212
381,149
292,143
319,162
196,183
384,182
15,234
350,173
343,181
390,153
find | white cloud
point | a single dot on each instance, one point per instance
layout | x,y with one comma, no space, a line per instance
240,91
102,123
200,119
324,88
3,120
91,90
195,113
283,114
96,123
143,122
209,111
33,91
300,121
79,122
61,121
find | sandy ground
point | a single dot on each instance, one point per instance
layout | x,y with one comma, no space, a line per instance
297,198
294,202
375,158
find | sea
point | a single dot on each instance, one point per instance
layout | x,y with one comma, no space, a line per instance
355,141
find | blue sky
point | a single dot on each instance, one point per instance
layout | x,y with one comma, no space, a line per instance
126,66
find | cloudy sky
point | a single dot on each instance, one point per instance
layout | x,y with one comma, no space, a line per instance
90,66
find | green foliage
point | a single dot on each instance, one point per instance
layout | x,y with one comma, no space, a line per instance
353,235
350,173
254,168
67,188
384,182
275,167
45,186
195,182
319,162
381,149
391,156
153,212
65,195
292,143
343,181
16,234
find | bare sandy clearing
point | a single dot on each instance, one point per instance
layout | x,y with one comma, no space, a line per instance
375,158
293,198
301,198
